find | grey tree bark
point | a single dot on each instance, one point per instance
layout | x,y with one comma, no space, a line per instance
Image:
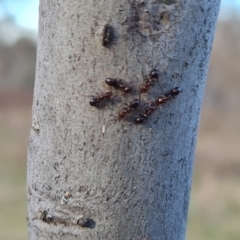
90,177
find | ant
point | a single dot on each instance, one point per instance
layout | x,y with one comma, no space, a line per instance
118,84
168,96
161,100
146,114
99,98
126,110
154,73
173,93
150,79
152,106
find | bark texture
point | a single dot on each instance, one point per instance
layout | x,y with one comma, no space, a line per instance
133,181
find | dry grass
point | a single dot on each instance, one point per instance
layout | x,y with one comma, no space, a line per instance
15,115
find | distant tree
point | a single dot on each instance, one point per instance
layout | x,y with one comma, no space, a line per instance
17,68
90,177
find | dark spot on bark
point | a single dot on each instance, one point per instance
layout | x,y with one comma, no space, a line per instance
168,2
86,222
37,102
107,36
164,17
45,217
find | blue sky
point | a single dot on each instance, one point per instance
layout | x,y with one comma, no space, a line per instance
25,12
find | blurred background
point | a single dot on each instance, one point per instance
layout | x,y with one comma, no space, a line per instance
214,211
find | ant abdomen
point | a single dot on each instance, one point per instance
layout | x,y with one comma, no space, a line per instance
118,84
95,101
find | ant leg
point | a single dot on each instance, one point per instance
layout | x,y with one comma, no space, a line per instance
111,118
163,87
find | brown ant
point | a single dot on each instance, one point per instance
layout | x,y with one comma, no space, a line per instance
126,110
152,106
149,81
118,84
161,100
168,96
146,114
95,101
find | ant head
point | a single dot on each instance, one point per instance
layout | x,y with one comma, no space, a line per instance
154,73
176,91
111,81
135,103
93,102
139,120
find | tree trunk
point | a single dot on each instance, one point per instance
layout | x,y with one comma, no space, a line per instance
93,177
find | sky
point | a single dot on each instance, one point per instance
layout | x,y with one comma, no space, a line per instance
25,12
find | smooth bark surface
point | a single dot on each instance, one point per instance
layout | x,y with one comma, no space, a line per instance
133,181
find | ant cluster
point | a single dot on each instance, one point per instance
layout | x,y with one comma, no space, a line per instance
153,105
149,81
